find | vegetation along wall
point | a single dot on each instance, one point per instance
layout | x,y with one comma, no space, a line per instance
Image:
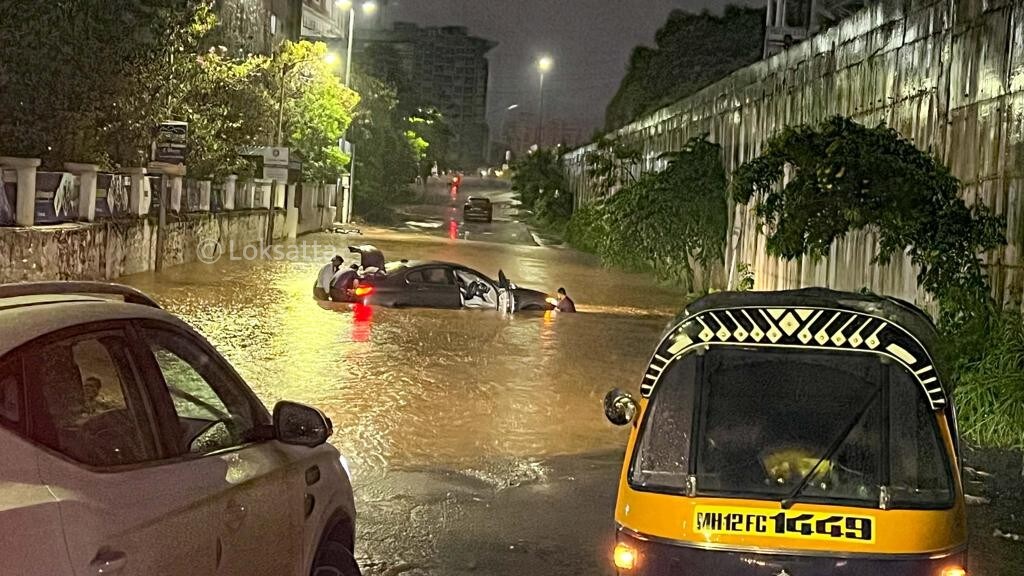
948,74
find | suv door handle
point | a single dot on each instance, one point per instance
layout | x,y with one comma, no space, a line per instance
234,515
108,561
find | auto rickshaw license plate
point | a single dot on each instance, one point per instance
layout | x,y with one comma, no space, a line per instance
738,521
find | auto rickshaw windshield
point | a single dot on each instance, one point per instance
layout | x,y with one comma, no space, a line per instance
780,425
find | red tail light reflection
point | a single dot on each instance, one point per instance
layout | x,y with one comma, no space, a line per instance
362,322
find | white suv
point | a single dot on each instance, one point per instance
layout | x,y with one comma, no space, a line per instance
129,446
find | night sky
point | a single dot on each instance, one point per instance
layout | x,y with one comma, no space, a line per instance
590,40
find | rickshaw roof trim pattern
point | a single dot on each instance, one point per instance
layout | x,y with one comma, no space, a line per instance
804,319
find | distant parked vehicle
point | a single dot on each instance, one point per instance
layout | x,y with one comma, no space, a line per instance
131,447
478,209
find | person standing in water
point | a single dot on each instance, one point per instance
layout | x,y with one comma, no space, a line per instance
565,304
322,288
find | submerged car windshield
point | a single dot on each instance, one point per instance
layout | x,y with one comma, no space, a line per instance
793,426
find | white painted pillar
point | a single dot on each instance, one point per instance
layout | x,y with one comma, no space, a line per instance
25,205
87,177
230,185
281,195
331,196
137,204
261,189
204,195
249,194
177,185
346,199
291,218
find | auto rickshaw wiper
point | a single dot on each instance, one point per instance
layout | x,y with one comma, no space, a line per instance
791,499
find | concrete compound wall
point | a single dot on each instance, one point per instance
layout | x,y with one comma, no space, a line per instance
948,74
108,249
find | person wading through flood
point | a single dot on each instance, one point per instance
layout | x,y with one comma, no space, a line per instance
322,288
565,304
344,280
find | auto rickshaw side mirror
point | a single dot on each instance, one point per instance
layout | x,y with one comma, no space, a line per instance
620,408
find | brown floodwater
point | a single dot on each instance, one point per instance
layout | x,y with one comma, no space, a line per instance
408,388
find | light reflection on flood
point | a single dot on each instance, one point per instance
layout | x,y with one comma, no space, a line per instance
432,387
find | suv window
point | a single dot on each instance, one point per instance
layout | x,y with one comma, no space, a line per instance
438,276
86,403
213,413
10,393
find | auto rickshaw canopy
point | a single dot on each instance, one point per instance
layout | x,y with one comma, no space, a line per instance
808,319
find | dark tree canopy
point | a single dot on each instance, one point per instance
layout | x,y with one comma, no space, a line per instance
841,176
692,51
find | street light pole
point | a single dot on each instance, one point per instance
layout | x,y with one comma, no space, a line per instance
280,108
543,66
348,52
505,140
540,115
368,7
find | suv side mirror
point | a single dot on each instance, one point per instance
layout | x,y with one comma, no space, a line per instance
620,408
301,425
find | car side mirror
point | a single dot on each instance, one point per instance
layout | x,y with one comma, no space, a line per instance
620,408
301,425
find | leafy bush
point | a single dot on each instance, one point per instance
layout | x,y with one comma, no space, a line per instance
744,278
588,228
664,222
538,179
989,388
841,176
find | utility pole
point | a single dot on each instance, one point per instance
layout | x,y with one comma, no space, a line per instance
543,66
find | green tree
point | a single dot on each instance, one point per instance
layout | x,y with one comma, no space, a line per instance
613,164
692,51
318,108
430,126
841,176
65,66
670,220
538,179
386,156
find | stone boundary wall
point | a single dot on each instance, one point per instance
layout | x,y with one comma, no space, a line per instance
106,250
948,74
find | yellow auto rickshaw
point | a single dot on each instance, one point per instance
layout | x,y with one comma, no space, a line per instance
797,433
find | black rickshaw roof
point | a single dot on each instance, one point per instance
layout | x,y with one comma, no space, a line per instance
809,318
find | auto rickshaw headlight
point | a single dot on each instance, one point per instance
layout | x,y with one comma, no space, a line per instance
954,571
625,557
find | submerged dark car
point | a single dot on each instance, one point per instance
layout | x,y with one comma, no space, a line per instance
478,210
431,284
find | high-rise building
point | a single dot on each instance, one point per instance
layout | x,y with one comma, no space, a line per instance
449,70
258,25
323,19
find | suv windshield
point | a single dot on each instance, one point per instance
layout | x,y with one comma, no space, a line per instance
780,425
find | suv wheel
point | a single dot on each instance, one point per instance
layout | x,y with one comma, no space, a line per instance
333,559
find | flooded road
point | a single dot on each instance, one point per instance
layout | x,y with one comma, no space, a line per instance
440,411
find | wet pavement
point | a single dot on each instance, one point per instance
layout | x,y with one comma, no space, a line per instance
477,442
